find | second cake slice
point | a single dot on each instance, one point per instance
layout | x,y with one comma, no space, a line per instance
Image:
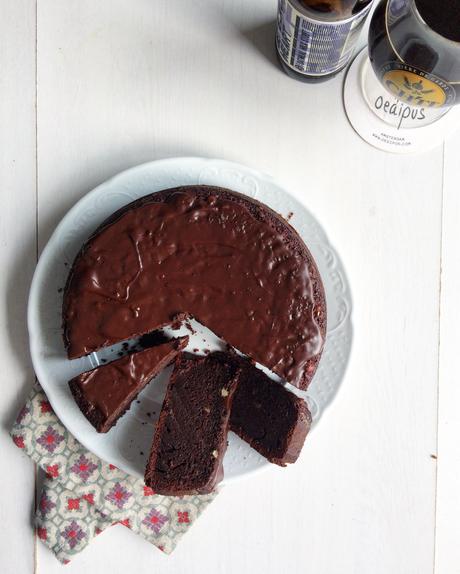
265,414
191,435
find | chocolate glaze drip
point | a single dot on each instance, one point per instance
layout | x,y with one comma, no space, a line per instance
228,261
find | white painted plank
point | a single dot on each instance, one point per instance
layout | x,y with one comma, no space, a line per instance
17,261
121,83
448,492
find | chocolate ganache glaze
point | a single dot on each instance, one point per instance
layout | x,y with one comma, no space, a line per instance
106,393
206,252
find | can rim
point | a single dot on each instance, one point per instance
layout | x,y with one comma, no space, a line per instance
300,8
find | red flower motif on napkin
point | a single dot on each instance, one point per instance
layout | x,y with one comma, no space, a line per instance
124,522
183,517
118,495
45,504
148,491
52,471
155,520
89,498
73,534
18,440
73,503
45,407
50,439
41,533
83,467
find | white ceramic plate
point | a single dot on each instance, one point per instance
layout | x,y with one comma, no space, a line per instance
127,444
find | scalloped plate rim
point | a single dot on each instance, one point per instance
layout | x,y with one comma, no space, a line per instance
33,328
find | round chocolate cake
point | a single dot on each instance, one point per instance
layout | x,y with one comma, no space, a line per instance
204,252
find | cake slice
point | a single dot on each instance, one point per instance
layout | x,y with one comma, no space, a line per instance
106,393
266,415
191,435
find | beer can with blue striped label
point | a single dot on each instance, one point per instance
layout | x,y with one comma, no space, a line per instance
315,48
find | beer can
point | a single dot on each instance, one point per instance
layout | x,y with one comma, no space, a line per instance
314,49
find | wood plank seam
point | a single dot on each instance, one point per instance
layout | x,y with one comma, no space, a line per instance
35,550
439,354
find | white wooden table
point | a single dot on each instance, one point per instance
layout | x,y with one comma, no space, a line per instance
88,89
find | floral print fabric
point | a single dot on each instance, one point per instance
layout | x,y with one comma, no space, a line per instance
82,495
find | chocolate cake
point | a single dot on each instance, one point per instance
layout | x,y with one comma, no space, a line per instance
191,435
266,415
204,252
106,393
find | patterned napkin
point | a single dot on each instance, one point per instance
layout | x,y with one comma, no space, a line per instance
82,495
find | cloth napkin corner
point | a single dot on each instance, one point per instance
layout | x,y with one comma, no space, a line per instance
83,495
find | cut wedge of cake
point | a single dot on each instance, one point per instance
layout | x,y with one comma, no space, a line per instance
106,393
273,420
191,435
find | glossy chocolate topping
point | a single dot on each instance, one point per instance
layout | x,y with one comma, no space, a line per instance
228,261
105,393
